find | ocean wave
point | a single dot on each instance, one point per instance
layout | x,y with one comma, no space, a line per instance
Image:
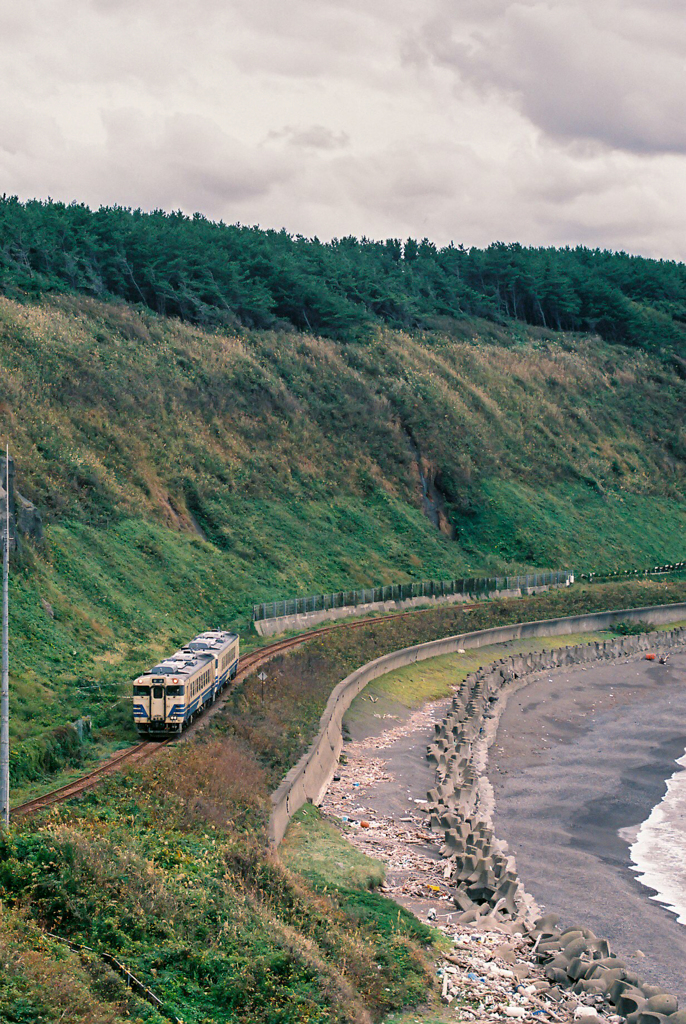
658,850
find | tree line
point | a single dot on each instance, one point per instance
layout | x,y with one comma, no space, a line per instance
215,274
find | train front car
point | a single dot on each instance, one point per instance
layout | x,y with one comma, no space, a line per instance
169,697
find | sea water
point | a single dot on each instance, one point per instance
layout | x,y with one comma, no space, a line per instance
659,849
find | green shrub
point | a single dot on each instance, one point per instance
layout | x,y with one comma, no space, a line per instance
632,628
46,754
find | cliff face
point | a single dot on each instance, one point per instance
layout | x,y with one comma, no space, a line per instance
25,519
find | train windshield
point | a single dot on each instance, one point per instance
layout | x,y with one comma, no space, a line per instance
175,691
157,692
141,691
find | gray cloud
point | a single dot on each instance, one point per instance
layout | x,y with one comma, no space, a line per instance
611,73
317,136
470,120
190,160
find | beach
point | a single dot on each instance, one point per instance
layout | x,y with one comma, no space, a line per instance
586,767
581,759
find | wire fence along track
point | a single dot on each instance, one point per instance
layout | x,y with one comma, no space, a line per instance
678,568
468,587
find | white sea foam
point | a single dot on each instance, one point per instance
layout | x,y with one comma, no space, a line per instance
659,850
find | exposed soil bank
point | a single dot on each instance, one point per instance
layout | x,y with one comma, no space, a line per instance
580,754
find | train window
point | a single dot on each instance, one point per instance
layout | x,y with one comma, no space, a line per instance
141,691
157,692
175,691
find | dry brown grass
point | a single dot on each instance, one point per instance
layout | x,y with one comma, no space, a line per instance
49,979
215,781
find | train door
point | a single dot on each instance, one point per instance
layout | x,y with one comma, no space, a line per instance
217,675
157,704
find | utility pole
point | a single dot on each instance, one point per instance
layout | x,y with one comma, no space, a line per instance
5,692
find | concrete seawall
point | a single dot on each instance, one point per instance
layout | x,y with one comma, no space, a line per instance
308,780
484,881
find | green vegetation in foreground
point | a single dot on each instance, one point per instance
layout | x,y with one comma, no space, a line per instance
43,981
167,867
317,849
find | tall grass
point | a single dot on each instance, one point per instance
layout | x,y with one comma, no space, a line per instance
185,475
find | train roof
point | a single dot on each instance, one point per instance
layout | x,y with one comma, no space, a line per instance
181,664
217,636
195,655
213,640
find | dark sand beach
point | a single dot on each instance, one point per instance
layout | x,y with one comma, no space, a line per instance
578,756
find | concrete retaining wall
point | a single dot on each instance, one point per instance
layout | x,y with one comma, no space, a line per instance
309,779
288,623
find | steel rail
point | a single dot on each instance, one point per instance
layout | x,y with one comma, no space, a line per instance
139,752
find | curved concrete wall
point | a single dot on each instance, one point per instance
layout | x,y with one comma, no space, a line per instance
308,780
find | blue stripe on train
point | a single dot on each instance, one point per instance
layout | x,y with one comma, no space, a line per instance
138,709
226,673
177,710
228,669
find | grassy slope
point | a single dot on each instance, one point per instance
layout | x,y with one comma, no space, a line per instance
291,455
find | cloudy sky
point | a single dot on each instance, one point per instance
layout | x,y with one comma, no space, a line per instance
541,121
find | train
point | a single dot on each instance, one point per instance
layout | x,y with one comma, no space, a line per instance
172,694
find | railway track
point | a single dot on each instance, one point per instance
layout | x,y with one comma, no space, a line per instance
149,748
132,755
